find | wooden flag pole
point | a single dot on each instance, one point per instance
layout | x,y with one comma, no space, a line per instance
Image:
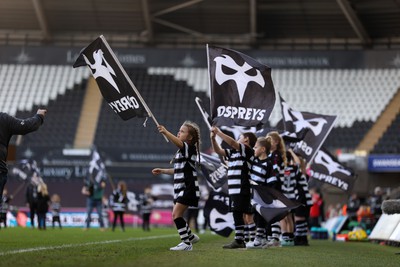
149,113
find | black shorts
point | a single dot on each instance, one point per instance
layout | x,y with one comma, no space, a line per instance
302,211
191,202
240,203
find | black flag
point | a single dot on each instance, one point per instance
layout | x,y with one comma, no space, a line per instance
271,204
327,169
311,128
216,210
242,92
97,170
214,171
114,84
25,168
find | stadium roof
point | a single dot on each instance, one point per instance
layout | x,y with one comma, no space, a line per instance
276,24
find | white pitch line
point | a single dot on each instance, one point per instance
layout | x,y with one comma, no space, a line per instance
19,251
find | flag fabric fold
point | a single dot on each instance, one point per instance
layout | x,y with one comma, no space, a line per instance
271,204
114,84
242,91
216,211
310,128
25,168
213,171
327,169
97,169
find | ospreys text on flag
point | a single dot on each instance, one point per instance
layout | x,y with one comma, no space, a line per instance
242,91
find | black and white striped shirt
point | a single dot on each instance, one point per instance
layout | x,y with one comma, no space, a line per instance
185,173
118,201
278,165
261,172
302,191
238,170
289,181
55,208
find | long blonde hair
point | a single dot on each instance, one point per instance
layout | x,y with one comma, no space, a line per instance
280,147
42,188
122,185
194,131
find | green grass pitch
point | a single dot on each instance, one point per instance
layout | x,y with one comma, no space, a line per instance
75,247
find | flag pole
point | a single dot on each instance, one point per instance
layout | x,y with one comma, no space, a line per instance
198,100
16,191
110,179
208,72
149,113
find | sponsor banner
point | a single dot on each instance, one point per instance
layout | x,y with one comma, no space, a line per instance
150,57
384,163
71,217
386,228
335,224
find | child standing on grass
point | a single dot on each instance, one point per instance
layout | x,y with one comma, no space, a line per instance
55,207
43,205
279,161
4,207
119,202
261,172
238,180
186,187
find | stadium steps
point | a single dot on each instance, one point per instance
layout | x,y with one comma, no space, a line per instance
90,112
381,125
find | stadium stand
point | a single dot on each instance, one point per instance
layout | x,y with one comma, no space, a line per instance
353,95
58,89
170,94
170,100
390,141
356,96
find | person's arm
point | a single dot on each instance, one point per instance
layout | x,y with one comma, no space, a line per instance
171,137
158,171
25,126
296,159
217,148
227,139
85,191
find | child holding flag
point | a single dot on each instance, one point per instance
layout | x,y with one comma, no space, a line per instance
238,180
279,161
261,172
186,187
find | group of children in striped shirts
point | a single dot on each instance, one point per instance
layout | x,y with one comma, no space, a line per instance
264,161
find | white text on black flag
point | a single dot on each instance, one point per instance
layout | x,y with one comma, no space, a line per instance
327,169
115,86
242,92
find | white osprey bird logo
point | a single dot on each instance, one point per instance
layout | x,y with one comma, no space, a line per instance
315,124
240,77
99,70
332,166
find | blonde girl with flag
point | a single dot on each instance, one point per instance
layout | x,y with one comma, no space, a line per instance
186,187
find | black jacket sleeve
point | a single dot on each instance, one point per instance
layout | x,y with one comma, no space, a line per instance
24,126
10,126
